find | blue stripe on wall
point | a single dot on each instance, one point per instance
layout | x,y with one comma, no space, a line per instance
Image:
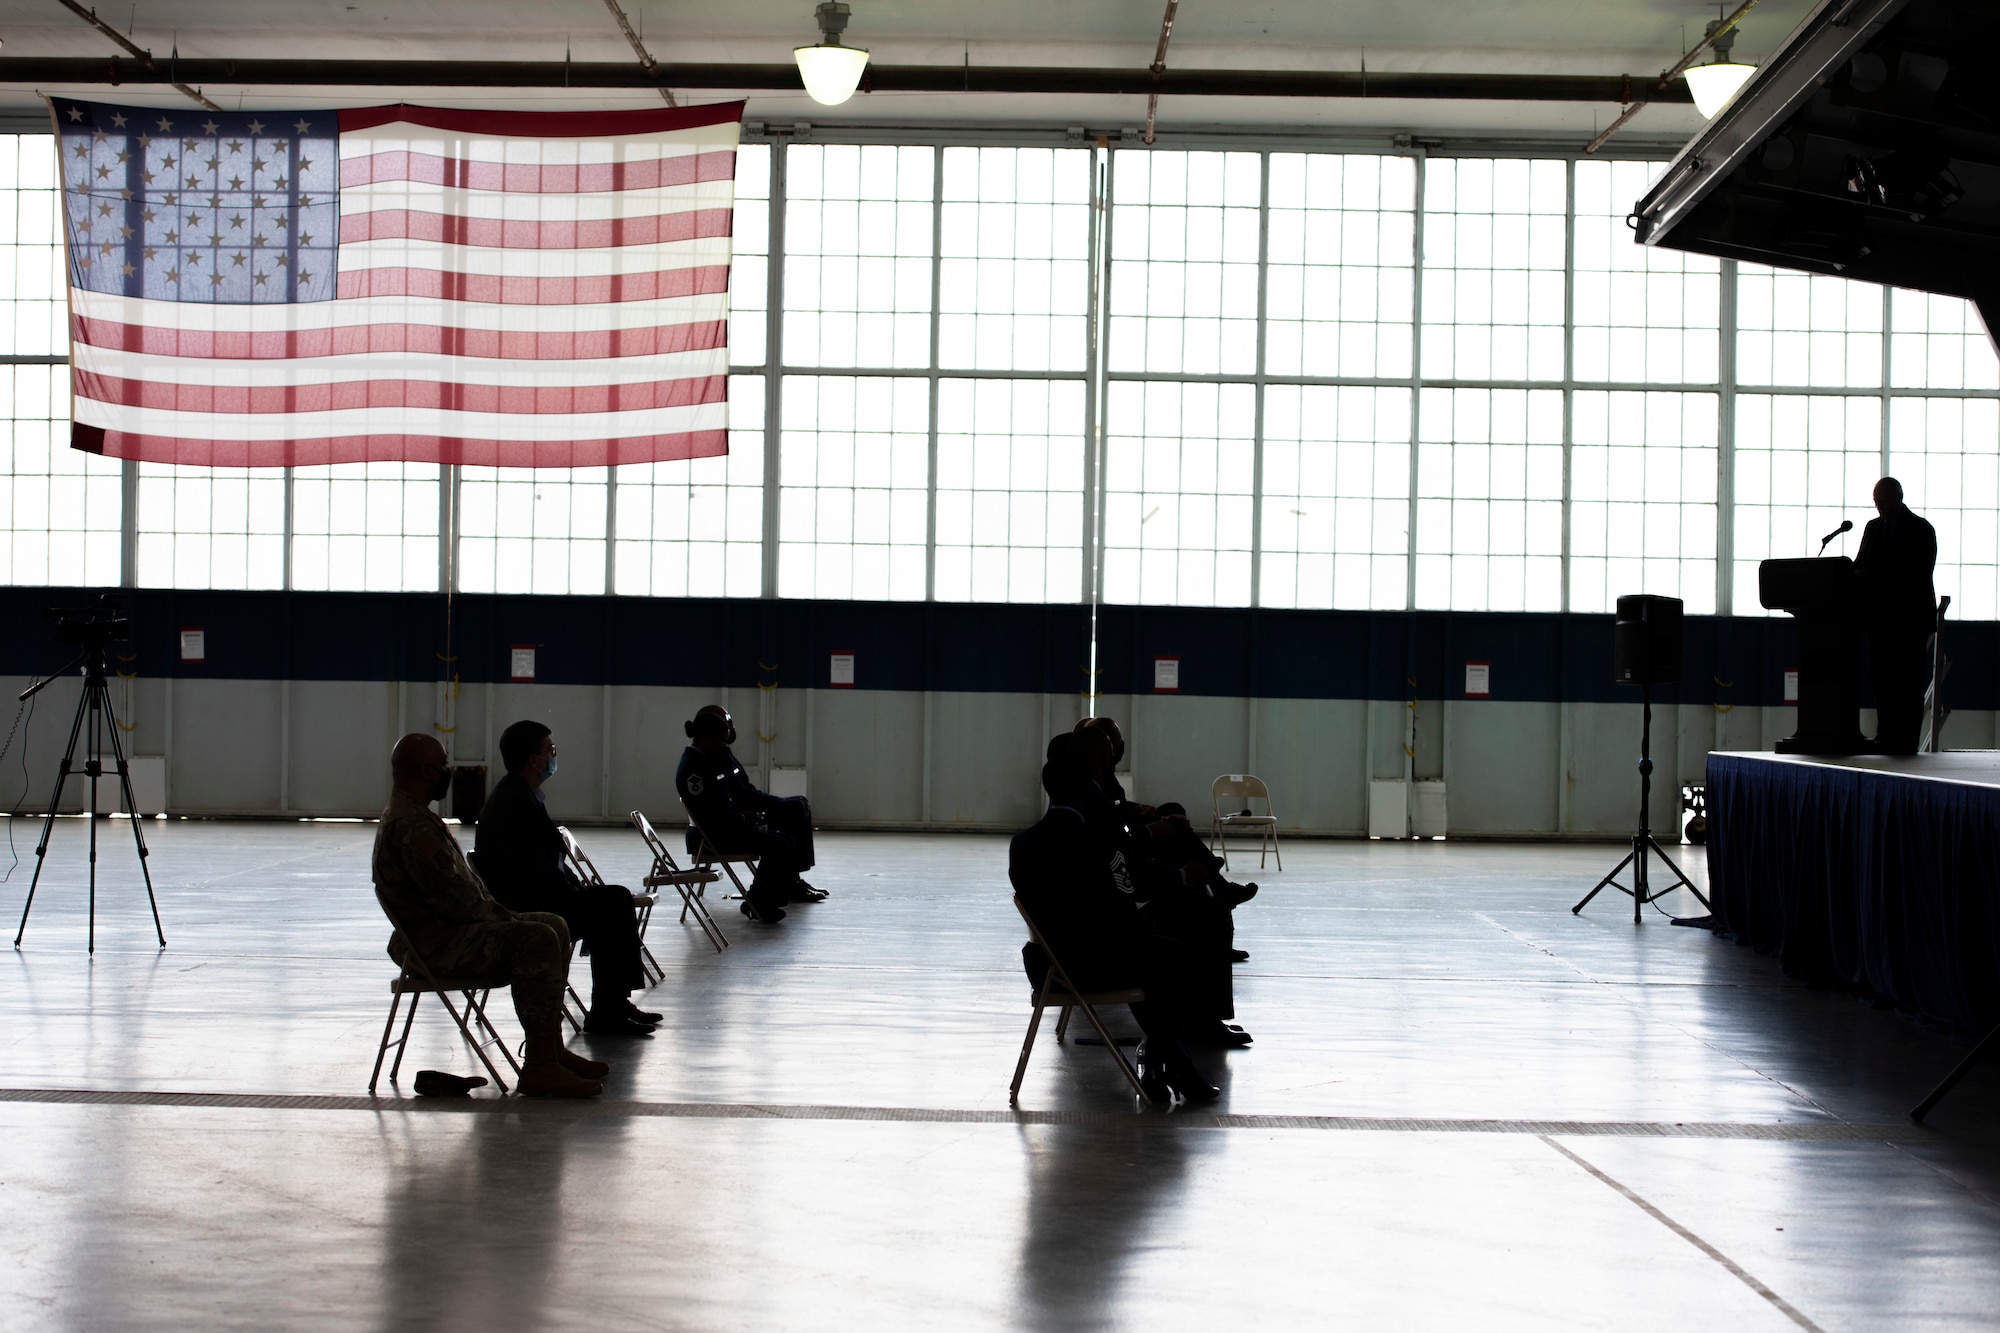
934,646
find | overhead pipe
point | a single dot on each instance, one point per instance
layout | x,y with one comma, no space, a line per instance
69,71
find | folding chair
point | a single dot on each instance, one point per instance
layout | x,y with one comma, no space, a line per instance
642,903
1056,988
570,997
1240,789
690,884
706,855
416,981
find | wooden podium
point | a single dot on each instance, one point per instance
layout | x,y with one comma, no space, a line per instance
1825,596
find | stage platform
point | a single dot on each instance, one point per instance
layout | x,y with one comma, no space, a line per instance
1879,873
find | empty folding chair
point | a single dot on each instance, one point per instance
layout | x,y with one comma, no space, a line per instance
706,854
1057,989
642,903
690,884
1238,790
417,980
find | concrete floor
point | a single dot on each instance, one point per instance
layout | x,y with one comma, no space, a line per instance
1466,1108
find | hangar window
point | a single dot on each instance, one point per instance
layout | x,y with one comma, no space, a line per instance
1494,255
1336,500
1802,461
1642,314
1642,498
853,507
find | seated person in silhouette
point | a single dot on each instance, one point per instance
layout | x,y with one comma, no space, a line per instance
461,932
728,811
789,815
519,854
1897,556
1167,826
1071,875
1176,898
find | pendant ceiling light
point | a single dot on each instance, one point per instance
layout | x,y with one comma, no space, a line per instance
831,71
1715,83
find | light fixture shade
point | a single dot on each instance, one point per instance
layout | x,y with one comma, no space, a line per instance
1713,85
831,73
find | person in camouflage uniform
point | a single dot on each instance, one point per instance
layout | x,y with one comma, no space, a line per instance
460,931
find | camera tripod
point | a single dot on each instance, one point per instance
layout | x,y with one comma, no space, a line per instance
93,710
1643,846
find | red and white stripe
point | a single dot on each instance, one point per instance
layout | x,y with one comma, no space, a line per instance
515,289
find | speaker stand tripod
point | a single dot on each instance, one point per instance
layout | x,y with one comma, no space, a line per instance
1643,846
93,711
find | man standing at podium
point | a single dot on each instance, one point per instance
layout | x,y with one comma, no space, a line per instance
1898,552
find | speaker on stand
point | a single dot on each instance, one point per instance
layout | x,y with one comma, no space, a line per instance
1646,651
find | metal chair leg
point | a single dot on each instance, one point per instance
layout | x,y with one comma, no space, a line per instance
1027,1048
1062,1025
478,1045
403,1045
1131,1074
382,1051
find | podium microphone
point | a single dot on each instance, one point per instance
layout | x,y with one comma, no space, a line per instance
1846,525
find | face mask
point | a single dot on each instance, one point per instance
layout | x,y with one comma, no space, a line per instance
549,768
442,787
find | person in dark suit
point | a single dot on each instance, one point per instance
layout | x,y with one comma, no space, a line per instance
704,781
1897,557
520,856
1173,894
1071,874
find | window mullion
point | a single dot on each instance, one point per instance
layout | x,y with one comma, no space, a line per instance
774,378
937,307
1569,368
1257,410
1416,378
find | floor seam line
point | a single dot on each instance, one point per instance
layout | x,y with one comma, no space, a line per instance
1735,1269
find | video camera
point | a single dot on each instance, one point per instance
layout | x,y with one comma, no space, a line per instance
91,626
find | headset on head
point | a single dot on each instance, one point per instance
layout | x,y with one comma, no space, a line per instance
718,721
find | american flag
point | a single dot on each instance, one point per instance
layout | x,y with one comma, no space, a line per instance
507,289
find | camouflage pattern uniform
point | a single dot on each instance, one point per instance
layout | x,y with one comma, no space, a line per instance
455,924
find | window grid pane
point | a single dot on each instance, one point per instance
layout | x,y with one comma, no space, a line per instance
211,527
1336,504
1938,342
1946,452
1642,499
750,256
1179,460
366,526
531,530
1799,459
60,510
1494,249
696,528
1014,259
1641,312
1807,329
34,303
1184,262
858,255
1010,491
1338,290
1489,500
854,481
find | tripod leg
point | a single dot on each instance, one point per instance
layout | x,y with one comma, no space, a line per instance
132,814
1611,880
93,768
1674,866
49,820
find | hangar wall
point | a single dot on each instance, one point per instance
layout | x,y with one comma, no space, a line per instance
299,696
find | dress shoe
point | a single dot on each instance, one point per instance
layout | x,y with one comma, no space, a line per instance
552,1080
606,1022
634,1012
803,892
437,1083
1225,1035
769,916
1238,894
1190,1084
1239,955
583,1066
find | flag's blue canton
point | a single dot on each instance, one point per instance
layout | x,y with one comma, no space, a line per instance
230,209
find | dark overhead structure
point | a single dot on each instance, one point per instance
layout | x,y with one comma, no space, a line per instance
73,71
1868,146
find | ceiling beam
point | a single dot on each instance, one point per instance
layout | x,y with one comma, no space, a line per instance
67,72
